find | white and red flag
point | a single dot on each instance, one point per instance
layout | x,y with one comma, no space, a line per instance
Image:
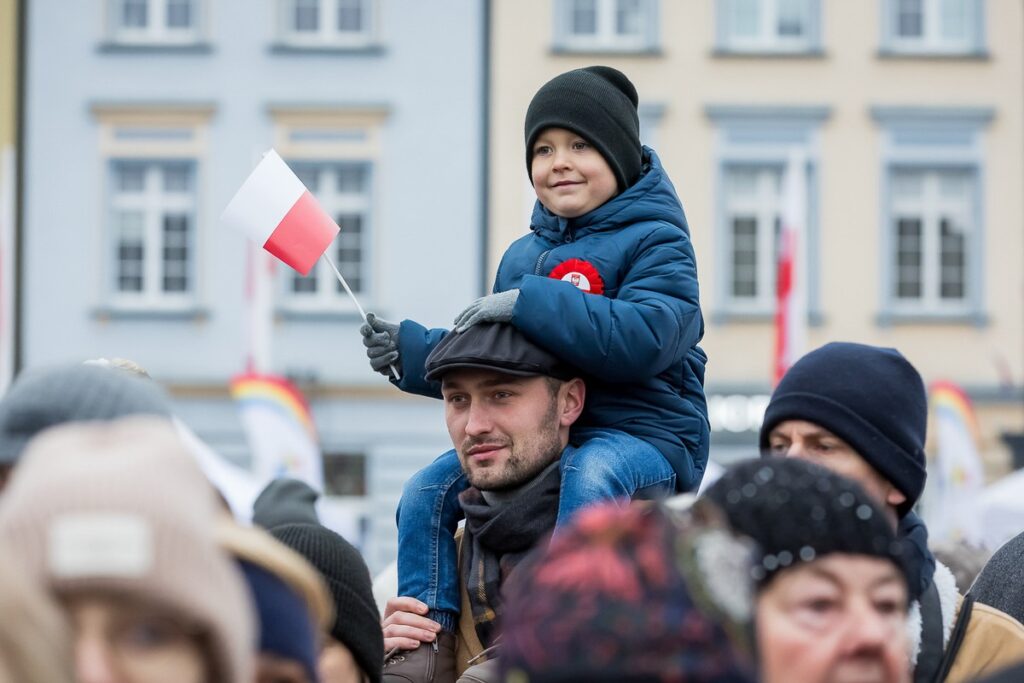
276,211
791,290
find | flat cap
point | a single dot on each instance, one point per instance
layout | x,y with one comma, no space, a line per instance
495,346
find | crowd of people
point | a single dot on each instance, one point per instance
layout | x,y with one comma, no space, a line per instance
561,539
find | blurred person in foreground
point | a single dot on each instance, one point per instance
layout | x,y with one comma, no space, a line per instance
292,604
862,411
47,396
633,595
35,639
118,522
353,651
832,594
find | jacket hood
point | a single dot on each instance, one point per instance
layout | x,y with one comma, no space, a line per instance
652,197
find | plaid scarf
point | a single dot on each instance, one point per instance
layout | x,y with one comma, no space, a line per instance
497,537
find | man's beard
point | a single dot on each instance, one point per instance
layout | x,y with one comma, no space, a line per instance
527,458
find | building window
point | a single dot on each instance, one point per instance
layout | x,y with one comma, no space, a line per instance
933,26
327,23
334,153
932,219
152,226
606,25
755,146
753,209
769,26
932,230
345,475
145,22
343,189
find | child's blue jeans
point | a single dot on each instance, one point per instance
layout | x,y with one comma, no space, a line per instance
608,465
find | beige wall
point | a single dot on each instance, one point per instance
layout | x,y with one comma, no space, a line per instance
8,70
849,79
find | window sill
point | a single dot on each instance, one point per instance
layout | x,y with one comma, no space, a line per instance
597,50
727,317
114,47
282,48
926,55
188,314
317,316
896,318
768,53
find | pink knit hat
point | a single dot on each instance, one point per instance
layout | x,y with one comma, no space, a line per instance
121,507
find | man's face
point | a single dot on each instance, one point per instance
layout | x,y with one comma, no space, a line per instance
802,439
505,429
838,619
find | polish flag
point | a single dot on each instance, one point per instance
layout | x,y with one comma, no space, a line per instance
791,283
276,210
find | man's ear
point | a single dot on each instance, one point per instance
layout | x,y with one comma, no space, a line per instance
570,404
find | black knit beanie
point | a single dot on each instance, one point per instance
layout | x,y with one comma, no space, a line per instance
356,622
285,501
870,397
797,511
598,103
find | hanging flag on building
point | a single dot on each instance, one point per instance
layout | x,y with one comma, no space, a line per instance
957,475
279,427
275,210
791,274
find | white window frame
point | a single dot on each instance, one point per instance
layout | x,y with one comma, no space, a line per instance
327,33
931,207
154,203
931,41
328,294
157,31
768,39
765,205
331,138
149,134
764,137
932,139
606,37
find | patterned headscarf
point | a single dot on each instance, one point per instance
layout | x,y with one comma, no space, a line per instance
632,594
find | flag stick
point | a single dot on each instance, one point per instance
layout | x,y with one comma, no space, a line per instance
362,313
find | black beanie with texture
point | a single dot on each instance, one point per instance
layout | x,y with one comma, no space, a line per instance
356,622
797,511
870,397
598,103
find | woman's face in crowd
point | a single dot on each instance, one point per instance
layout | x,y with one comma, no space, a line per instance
838,619
119,641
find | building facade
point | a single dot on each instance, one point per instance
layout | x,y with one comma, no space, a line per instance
145,116
10,98
907,116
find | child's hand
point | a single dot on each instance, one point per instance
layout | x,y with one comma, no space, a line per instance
381,341
493,308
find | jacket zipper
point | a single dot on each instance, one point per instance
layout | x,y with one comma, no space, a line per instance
540,261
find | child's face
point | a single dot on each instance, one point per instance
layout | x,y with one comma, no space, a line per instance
570,176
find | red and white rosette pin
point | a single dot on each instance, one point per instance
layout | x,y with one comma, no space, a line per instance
580,274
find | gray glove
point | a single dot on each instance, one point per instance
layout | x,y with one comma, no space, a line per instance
493,308
381,341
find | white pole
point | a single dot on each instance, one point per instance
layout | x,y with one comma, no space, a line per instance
348,290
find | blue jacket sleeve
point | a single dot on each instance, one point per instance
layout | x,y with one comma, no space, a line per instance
415,343
651,324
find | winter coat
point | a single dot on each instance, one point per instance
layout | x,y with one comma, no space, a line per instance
993,640
633,334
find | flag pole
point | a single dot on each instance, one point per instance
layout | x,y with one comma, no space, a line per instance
348,290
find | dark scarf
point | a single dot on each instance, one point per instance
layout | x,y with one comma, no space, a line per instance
497,537
919,559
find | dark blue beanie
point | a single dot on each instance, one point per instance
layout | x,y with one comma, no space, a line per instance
286,626
870,397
